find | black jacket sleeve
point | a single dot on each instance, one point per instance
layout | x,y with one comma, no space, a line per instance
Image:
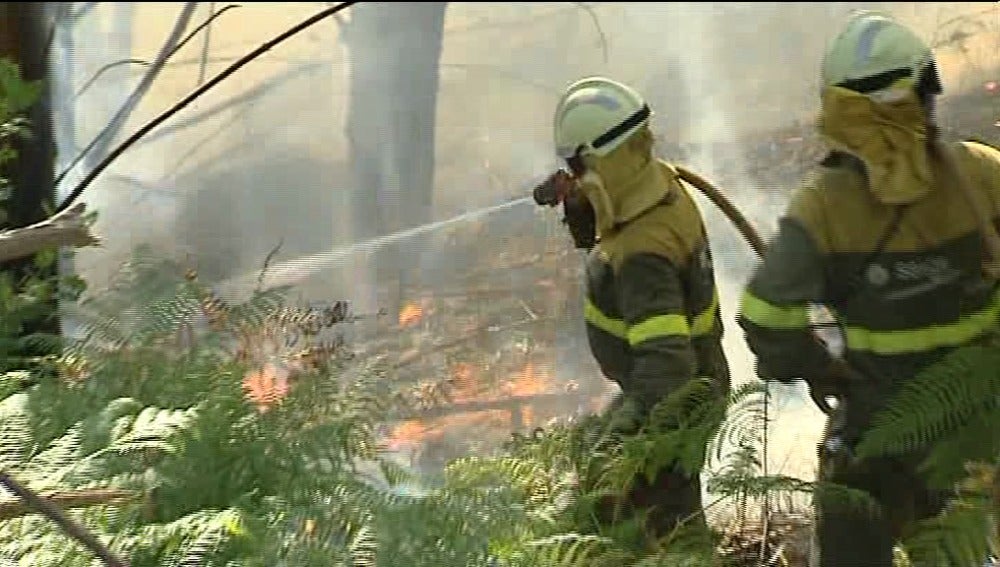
651,297
774,309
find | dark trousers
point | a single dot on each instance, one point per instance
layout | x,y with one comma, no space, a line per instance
857,534
673,496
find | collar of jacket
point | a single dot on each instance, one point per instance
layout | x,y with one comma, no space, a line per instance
630,192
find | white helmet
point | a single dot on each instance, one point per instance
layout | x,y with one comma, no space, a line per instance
874,51
595,115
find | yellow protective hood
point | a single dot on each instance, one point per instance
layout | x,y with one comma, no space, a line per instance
624,185
888,135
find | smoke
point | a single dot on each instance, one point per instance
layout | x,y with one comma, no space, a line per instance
263,158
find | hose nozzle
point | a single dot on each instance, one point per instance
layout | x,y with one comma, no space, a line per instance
554,189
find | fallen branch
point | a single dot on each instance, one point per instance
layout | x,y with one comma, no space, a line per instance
10,509
68,525
68,228
407,359
509,403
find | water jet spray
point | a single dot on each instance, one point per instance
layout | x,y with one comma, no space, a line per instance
296,270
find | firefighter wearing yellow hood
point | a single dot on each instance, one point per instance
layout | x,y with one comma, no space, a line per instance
894,233
651,308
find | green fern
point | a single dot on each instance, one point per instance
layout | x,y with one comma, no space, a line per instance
948,416
930,406
221,483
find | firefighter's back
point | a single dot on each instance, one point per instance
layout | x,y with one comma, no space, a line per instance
905,281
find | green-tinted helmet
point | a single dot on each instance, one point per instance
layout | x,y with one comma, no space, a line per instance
595,115
874,51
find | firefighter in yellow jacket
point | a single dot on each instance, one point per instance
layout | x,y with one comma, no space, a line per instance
651,307
892,233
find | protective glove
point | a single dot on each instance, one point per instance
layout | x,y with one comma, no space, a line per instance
578,213
581,219
626,418
833,382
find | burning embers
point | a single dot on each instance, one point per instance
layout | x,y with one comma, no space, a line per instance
473,408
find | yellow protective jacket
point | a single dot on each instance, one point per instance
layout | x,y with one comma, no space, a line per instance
899,310
652,309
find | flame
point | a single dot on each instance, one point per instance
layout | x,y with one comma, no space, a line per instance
415,432
409,432
527,415
266,387
73,368
464,383
528,382
465,387
410,314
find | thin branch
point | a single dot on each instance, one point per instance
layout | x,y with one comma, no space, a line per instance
267,263
67,228
597,24
145,63
68,525
256,91
108,67
197,93
100,143
207,41
305,66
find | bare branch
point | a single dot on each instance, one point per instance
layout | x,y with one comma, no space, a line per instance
267,263
102,141
68,228
597,24
207,41
68,525
145,63
107,68
180,105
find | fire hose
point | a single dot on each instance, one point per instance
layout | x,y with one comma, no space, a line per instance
560,188
727,207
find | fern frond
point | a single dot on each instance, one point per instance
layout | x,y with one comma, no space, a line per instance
16,440
187,541
965,383
131,430
149,430
957,538
259,307
57,464
363,548
746,410
978,439
562,550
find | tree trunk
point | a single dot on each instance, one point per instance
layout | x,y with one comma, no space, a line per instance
394,52
24,31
